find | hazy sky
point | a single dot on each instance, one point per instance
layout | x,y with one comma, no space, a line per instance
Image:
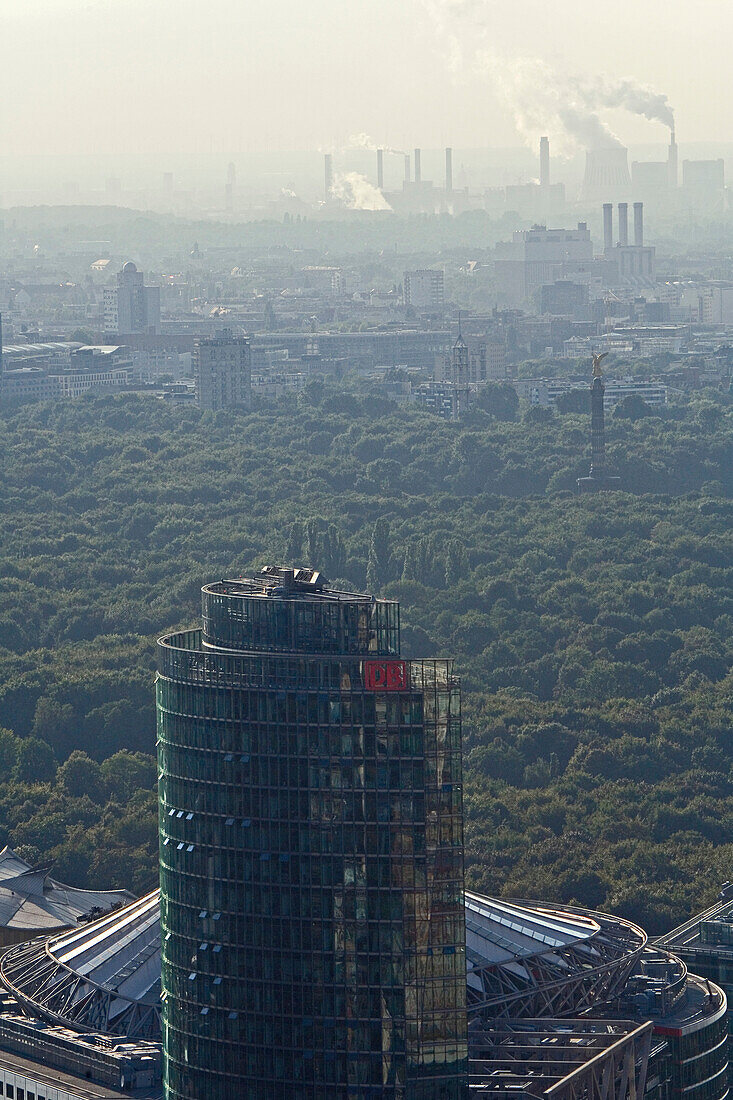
149,76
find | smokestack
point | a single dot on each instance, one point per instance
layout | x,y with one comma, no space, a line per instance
418,166
623,223
328,167
672,162
638,224
544,162
380,169
608,228
407,167
449,170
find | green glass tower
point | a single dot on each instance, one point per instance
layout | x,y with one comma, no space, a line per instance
311,851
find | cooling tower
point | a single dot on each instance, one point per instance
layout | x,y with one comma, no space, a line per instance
606,173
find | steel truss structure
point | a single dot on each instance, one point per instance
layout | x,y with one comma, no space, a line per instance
104,977
560,1059
554,979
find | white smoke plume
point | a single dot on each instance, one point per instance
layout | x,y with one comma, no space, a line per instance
364,141
357,193
541,100
544,101
639,99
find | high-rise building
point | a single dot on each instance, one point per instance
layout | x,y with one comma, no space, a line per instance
425,289
222,367
311,851
130,306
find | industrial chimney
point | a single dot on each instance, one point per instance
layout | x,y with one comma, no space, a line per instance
544,162
449,170
328,166
418,166
639,224
623,224
608,228
407,167
672,163
380,169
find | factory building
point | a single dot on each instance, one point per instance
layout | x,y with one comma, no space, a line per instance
635,263
703,184
540,200
655,180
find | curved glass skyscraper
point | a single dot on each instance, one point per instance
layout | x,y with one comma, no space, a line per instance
311,852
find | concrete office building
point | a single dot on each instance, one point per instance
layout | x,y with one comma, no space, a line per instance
311,851
130,306
222,368
538,256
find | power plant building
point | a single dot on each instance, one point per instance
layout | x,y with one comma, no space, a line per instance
311,851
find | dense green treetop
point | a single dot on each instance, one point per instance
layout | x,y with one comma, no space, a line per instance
593,634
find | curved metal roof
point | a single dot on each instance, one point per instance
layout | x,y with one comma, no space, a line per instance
500,931
31,902
529,959
524,960
102,977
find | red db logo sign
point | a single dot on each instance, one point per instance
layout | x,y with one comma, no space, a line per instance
385,675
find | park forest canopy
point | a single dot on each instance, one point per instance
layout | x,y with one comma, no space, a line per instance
593,634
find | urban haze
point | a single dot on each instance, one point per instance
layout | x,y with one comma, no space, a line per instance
366,618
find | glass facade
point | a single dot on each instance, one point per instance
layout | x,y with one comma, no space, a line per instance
311,853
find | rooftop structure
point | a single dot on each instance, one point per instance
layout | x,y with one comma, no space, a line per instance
530,960
563,1003
705,942
562,1059
32,903
102,977
55,1062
